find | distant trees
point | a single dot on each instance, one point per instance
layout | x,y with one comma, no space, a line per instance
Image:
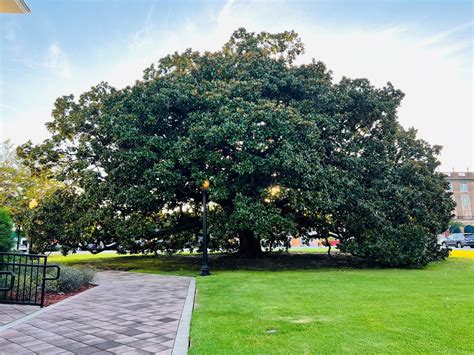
19,186
286,149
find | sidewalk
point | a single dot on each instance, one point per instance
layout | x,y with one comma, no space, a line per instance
10,312
128,313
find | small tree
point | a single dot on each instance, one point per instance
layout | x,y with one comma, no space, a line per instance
6,235
19,185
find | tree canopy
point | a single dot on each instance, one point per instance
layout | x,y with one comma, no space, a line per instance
287,151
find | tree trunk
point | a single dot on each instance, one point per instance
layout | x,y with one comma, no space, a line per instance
329,246
249,245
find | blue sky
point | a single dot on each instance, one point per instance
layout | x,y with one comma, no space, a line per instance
424,47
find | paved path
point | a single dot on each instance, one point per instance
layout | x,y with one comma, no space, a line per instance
128,313
10,312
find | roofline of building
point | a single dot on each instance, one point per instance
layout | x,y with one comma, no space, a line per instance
14,7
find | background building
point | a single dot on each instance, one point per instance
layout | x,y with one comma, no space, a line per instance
13,7
462,187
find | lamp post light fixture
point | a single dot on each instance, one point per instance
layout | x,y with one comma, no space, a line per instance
33,204
205,264
275,190
18,237
273,193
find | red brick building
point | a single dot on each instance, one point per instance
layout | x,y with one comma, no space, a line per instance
462,187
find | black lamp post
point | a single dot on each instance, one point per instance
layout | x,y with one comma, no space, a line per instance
18,237
205,265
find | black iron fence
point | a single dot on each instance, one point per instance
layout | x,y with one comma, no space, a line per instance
7,286
23,278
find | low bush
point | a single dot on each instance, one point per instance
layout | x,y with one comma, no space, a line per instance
28,284
407,245
70,279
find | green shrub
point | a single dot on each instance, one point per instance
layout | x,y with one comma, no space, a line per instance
6,234
407,246
70,280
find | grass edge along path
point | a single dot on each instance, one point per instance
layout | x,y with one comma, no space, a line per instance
323,310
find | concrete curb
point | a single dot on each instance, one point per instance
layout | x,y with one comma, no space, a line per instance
181,343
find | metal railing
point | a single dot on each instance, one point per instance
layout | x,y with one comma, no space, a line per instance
28,276
12,281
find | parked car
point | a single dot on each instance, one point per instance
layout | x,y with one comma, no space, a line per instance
332,242
458,240
23,247
441,239
469,240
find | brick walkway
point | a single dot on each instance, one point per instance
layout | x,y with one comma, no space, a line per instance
10,312
128,313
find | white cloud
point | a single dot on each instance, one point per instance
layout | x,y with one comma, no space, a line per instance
57,61
436,79
445,35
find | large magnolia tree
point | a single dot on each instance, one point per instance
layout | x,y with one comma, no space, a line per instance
287,151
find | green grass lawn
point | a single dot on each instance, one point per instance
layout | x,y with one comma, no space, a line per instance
320,309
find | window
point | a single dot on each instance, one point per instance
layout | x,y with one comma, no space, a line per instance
461,174
463,187
465,202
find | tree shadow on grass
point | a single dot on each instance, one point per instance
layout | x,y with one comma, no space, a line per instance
191,263
288,261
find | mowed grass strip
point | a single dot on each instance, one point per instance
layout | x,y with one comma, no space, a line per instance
324,310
